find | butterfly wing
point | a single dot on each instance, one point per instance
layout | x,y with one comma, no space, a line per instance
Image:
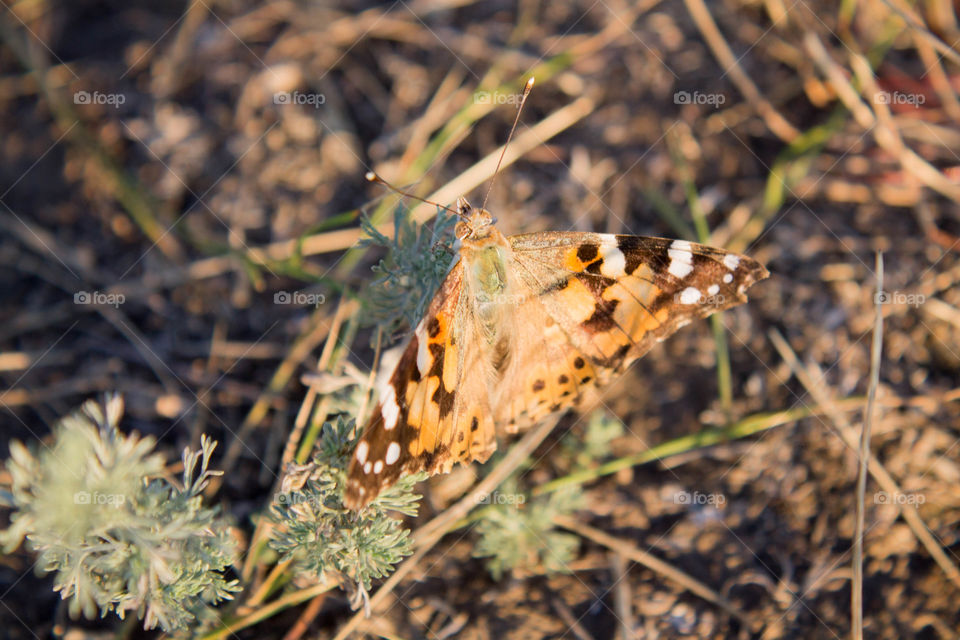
547,369
429,416
612,297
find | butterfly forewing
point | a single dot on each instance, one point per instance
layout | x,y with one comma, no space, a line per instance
601,302
616,295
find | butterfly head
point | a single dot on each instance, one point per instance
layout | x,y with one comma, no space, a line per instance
475,224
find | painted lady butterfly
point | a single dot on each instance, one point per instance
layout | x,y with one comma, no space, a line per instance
523,327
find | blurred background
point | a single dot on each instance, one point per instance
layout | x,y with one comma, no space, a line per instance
180,195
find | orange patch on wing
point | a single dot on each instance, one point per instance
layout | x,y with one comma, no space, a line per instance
415,400
441,331
479,439
609,342
639,286
429,421
634,311
450,353
432,425
572,261
577,300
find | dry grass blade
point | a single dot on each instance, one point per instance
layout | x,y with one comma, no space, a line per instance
622,596
779,125
876,352
309,406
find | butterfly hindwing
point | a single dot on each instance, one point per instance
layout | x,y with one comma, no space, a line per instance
546,371
426,419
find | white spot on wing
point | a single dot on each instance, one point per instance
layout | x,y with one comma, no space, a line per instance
362,449
389,408
388,364
690,295
681,259
378,466
614,262
713,289
367,467
393,453
731,261
728,278
423,356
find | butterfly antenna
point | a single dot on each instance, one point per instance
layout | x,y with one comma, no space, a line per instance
372,177
523,99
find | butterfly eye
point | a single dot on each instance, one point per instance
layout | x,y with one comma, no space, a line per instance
464,210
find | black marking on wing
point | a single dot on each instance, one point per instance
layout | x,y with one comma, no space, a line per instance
443,397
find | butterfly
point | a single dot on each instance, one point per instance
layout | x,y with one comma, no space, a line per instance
523,327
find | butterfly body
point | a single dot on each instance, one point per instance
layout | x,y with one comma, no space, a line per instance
525,326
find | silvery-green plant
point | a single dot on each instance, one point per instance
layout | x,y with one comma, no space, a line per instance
517,533
418,259
120,536
324,539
